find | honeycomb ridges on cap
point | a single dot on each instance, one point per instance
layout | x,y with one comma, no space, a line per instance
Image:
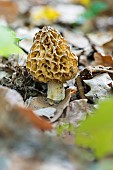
50,57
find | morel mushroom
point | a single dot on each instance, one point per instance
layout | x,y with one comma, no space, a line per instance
51,61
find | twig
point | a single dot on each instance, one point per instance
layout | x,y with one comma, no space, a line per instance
80,87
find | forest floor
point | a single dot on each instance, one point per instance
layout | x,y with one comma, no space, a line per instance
76,132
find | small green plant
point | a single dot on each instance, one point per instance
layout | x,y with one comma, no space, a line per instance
93,9
65,127
9,42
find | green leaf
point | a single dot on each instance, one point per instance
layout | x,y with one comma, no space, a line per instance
94,9
98,6
7,43
96,132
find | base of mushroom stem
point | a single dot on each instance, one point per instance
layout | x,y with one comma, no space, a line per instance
56,91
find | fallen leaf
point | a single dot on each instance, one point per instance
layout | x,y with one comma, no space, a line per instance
103,40
14,114
90,71
48,112
10,97
106,61
44,14
109,2
72,16
100,38
77,111
9,10
2,74
26,34
39,122
88,74
108,47
77,40
37,103
99,86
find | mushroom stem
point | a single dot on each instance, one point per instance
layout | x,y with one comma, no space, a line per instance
56,91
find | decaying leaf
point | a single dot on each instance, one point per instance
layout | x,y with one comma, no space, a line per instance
106,61
26,35
108,47
9,10
62,8
77,111
37,103
48,112
100,38
99,86
72,16
39,122
21,146
14,114
91,71
10,97
88,74
77,40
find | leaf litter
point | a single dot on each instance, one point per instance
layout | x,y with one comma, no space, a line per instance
92,83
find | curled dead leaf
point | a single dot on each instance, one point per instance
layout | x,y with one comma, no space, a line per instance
106,61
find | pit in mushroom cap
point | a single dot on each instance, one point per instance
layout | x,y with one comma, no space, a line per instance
50,58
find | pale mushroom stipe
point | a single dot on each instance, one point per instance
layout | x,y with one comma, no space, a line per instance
51,61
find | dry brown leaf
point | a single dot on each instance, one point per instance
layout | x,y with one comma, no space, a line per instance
21,147
91,71
24,164
9,10
108,47
92,77
39,122
77,111
77,40
65,17
106,61
11,104
100,38
37,103
99,86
